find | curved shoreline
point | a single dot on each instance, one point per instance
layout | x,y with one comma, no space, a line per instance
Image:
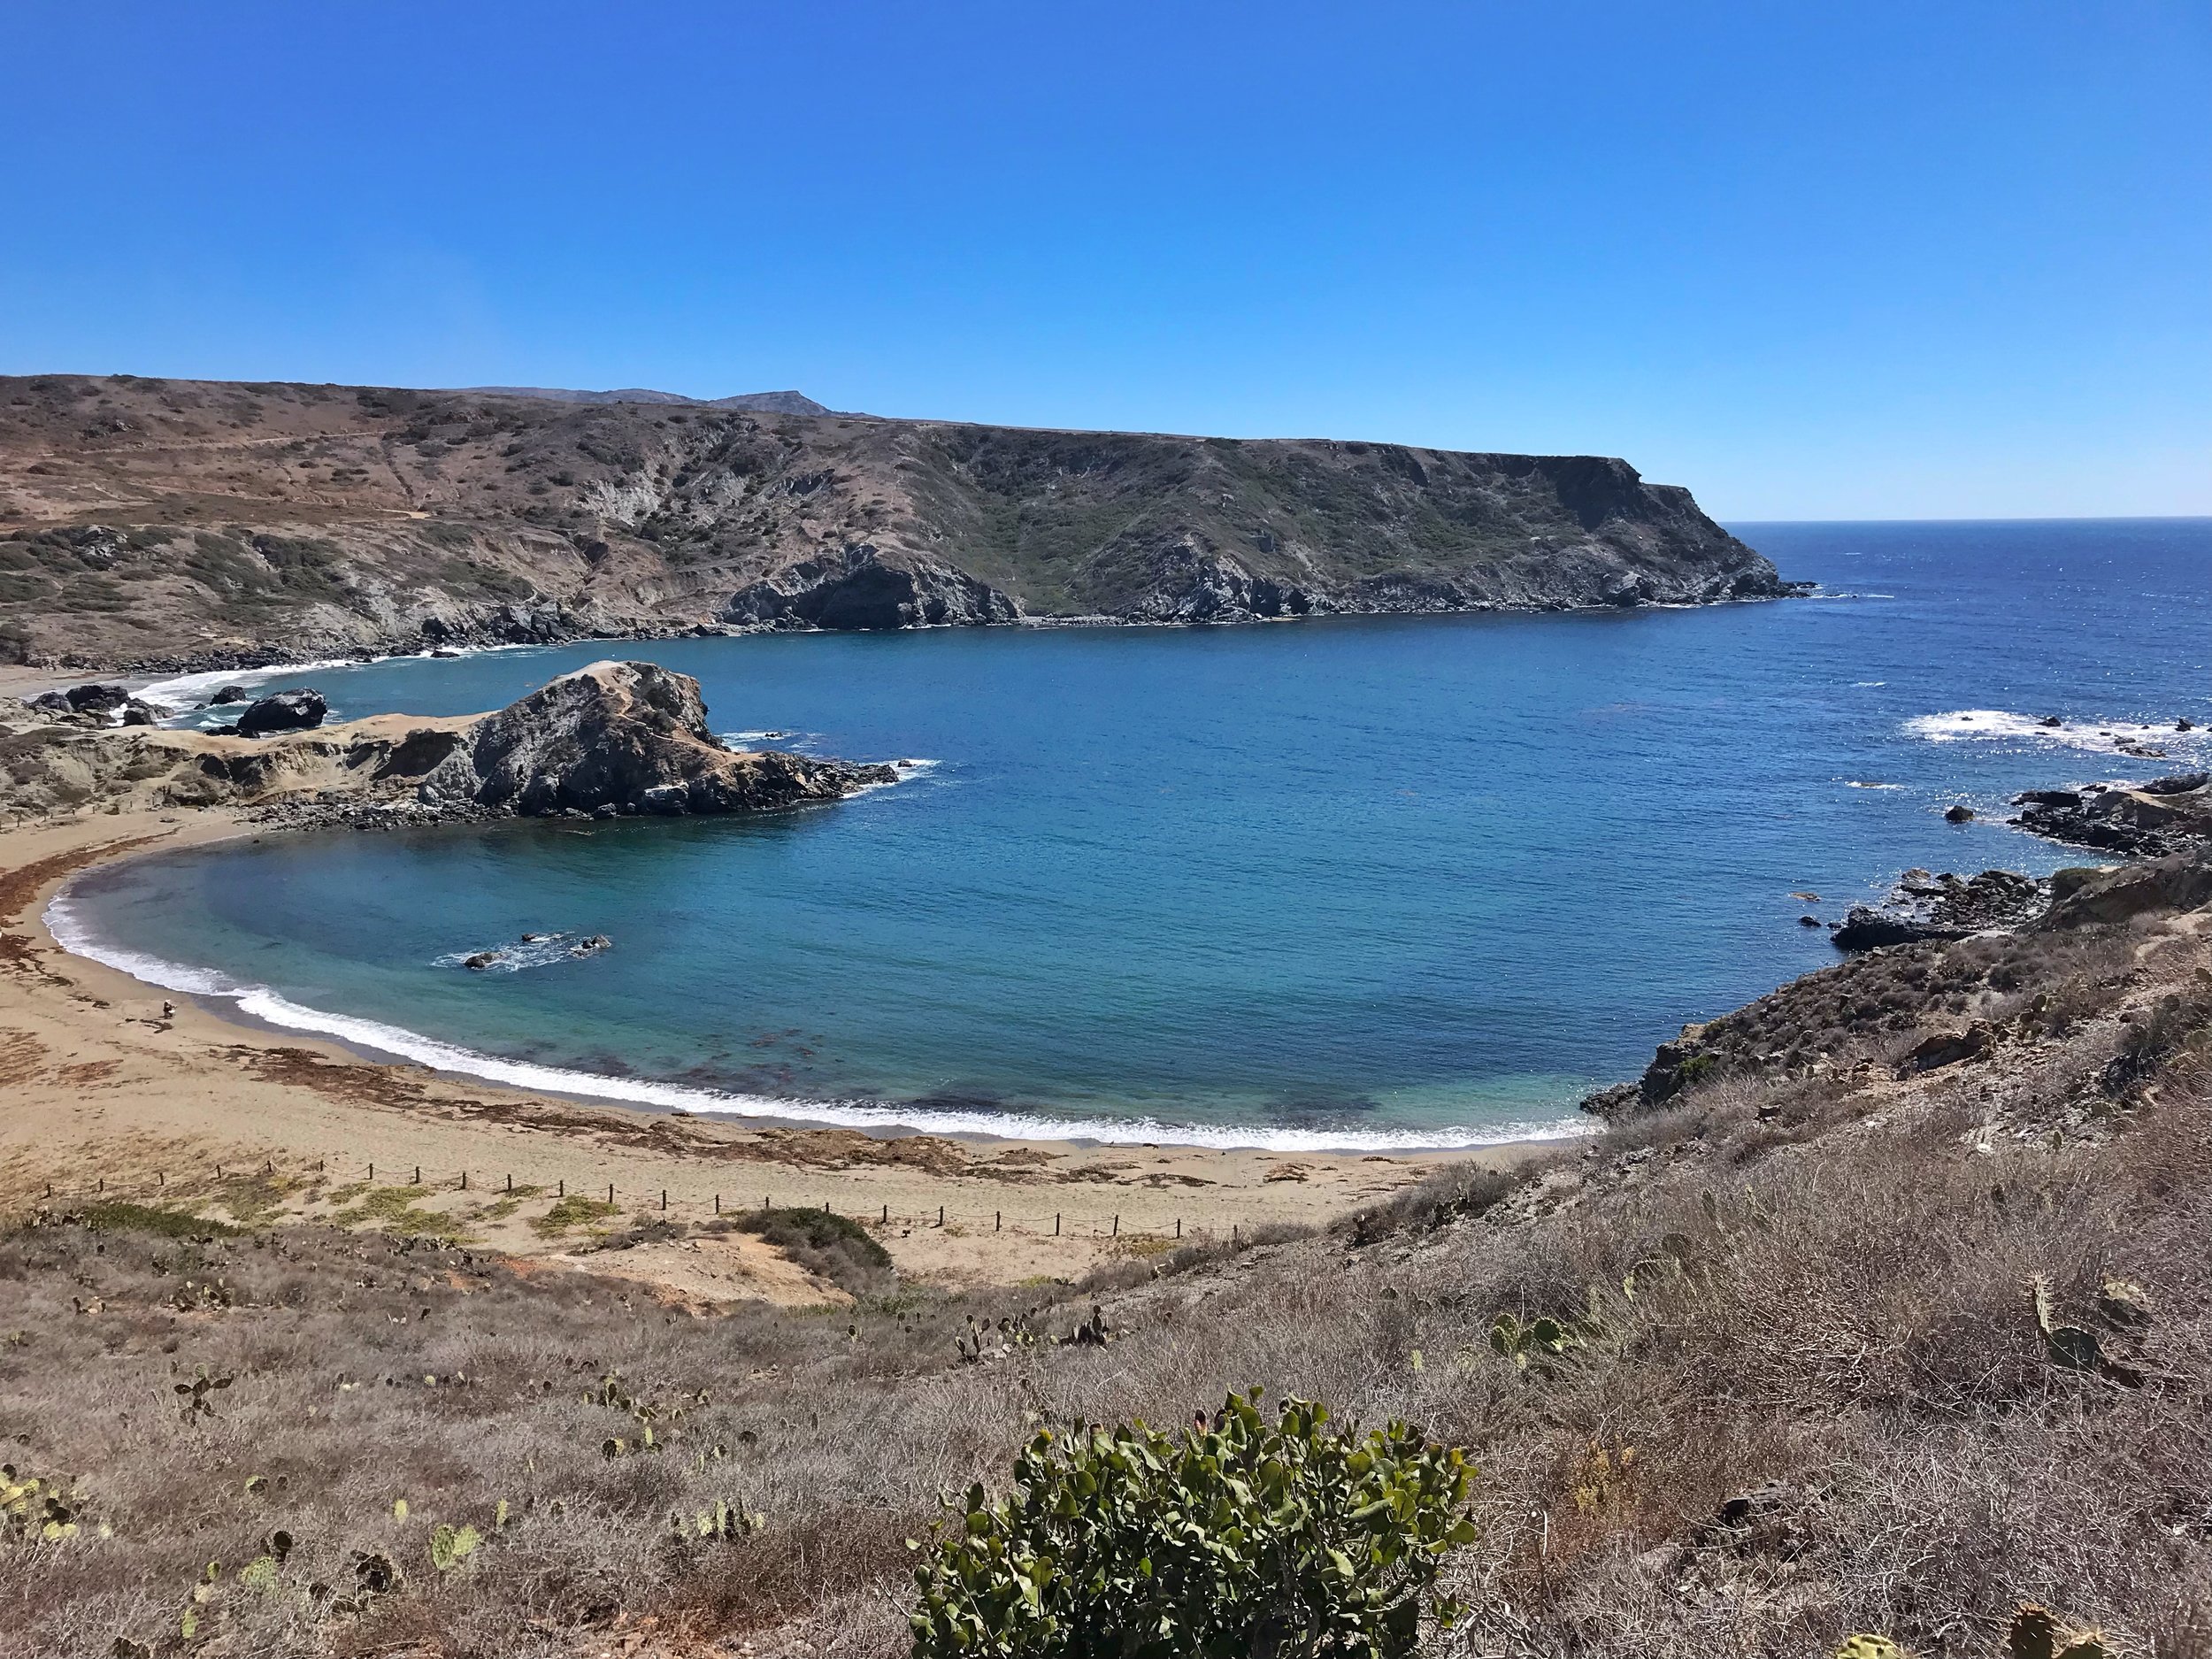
271,1008
108,1093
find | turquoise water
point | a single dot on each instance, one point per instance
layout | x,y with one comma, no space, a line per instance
1350,882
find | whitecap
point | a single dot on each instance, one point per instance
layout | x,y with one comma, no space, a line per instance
185,694
2113,737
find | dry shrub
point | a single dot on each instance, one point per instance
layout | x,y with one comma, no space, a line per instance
1807,1393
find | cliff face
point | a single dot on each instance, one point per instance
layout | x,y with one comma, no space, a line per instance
162,524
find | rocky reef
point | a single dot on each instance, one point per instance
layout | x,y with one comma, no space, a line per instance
2167,815
1923,906
612,740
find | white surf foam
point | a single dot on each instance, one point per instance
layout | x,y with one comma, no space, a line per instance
2110,737
184,693
71,932
538,950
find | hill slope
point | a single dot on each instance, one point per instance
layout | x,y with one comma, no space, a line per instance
170,524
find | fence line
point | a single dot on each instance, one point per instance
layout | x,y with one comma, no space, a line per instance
651,1202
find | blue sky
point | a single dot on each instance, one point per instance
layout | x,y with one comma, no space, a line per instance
1871,260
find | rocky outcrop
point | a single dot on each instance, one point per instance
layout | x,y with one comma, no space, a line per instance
855,589
624,738
2151,820
2095,897
1943,998
301,710
94,705
615,738
1923,906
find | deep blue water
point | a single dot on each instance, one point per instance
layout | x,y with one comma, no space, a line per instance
1337,882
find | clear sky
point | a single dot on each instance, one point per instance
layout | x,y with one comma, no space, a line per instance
1865,260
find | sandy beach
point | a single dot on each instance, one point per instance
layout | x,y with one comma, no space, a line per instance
108,1096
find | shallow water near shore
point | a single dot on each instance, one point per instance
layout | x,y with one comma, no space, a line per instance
1360,883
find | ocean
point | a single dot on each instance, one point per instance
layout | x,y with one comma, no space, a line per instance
1359,883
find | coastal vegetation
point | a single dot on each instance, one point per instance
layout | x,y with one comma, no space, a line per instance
1825,1344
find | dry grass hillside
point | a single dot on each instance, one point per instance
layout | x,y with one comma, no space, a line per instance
165,524
1853,1333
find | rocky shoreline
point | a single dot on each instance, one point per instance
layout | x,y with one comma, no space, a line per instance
612,740
2163,829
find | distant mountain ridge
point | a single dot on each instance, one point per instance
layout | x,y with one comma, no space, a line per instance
175,524
771,402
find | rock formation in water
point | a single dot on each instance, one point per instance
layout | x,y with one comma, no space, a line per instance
615,738
186,525
2167,815
624,738
1923,906
300,710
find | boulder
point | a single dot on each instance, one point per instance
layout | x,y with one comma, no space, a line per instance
224,696
1960,814
97,699
1947,1048
626,737
300,710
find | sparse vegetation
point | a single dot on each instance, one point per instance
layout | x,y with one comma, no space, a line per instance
1826,1352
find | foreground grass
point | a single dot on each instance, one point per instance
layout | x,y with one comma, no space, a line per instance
1802,1390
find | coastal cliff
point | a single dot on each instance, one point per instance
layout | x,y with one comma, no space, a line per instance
610,739
164,524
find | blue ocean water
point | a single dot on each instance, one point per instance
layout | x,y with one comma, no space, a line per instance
1352,883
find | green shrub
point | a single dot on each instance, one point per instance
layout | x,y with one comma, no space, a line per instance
159,1219
829,1246
1291,1537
